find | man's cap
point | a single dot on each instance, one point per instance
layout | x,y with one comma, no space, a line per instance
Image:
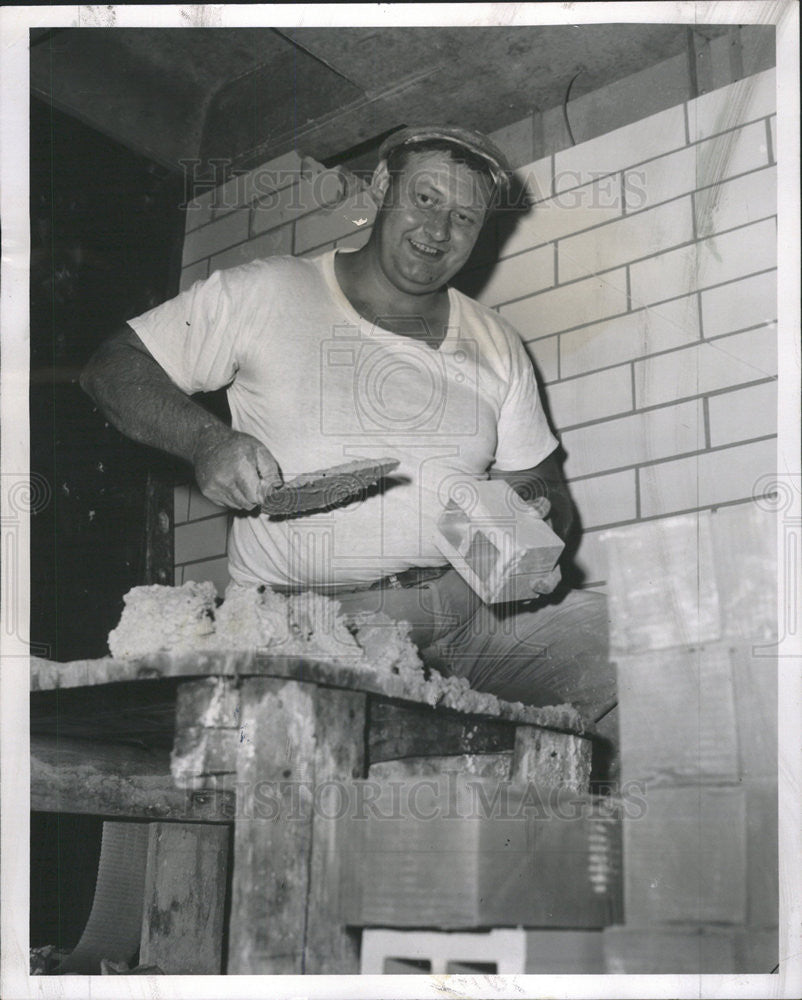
471,140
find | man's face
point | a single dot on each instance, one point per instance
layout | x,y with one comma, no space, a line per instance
429,221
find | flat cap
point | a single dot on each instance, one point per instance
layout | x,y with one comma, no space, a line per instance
471,140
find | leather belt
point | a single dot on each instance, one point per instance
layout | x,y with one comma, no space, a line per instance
412,577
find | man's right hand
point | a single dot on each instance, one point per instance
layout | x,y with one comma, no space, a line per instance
234,469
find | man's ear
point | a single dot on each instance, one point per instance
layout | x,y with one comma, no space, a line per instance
380,182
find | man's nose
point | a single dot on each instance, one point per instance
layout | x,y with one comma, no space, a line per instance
438,226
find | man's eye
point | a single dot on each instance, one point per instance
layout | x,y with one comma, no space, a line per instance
463,219
424,199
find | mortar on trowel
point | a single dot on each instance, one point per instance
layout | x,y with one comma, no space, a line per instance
496,542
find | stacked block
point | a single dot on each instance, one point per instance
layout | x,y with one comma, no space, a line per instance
694,612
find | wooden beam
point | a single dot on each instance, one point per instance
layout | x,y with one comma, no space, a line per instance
106,779
184,898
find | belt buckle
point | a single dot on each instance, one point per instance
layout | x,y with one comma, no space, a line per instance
393,582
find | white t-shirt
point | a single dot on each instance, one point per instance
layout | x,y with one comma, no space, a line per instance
321,386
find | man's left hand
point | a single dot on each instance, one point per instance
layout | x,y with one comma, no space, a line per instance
546,584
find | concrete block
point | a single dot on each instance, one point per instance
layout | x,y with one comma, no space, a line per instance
662,584
195,272
678,722
200,506
201,539
635,439
517,277
544,353
619,149
711,261
711,161
198,211
736,202
604,500
356,240
496,542
740,304
270,244
705,480
686,857
181,503
565,213
535,178
773,133
743,414
571,305
591,558
630,238
216,236
215,570
707,366
591,397
643,332
262,181
516,141
335,223
744,101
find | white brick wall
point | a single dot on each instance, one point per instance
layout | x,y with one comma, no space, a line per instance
642,281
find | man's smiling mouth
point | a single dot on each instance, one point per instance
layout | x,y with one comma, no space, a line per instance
427,251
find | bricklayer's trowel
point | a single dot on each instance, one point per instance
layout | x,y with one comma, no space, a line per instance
326,488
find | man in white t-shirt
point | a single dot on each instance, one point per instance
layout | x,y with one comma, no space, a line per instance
371,354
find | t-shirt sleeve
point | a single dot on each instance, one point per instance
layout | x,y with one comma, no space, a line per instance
194,336
524,437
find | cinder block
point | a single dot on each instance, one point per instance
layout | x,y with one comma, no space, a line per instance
747,100
198,211
591,558
216,236
200,506
740,304
646,331
262,181
736,202
662,584
620,148
516,141
677,717
201,539
535,178
704,367
270,244
697,166
686,857
181,503
335,223
616,243
569,306
558,216
705,480
356,240
544,353
215,570
632,440
743,414
195,272
591,397
456,852
773,133
503,951
605,499
745,546
517,277
709,262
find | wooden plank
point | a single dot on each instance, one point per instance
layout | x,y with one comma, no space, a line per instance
208,734
329,948
273,829
677,716
184,898
398,730
49,675
551,760
104,779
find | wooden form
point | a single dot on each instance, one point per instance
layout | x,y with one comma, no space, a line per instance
264,745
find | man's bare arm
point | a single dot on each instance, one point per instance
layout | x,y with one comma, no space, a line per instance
544,480
136,395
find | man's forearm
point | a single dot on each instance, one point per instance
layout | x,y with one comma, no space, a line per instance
137,396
